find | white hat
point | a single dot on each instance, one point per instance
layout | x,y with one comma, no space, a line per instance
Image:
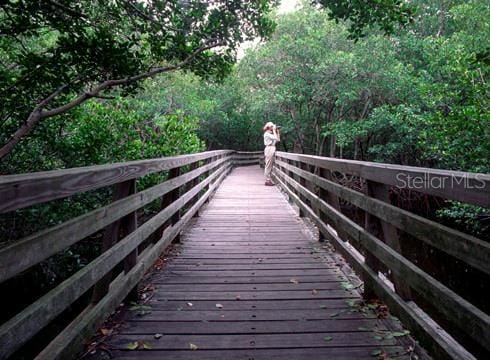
268,125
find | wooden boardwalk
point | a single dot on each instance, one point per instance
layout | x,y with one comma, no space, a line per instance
249,281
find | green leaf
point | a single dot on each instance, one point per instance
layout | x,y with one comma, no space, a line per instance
327,338
132,345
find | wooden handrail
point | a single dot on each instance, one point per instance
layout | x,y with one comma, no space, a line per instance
19,191
303,176
187,190
473,188
465,247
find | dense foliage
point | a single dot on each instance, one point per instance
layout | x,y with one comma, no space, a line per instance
418,97
57,55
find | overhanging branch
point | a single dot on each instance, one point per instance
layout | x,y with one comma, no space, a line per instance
38,113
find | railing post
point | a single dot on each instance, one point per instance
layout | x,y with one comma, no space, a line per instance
331,199
372,225
290,174
386,233
112,235
206,174
130,224
303,182
168,199
192,184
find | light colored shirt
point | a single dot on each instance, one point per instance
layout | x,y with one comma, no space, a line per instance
270,139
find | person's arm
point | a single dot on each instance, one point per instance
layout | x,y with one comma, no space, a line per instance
276,133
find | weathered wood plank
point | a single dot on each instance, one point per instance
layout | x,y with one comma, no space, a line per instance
256,273
170,198
262,341
465,247
458,310
251,267
19,191
112,234
259,295
192,279
430,335
467,187
35,248
40,313
68,342
142,327
163,288
209,305
351,353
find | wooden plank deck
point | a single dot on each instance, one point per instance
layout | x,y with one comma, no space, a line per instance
249,281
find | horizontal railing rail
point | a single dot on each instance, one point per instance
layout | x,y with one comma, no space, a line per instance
190,181
377,244
248,158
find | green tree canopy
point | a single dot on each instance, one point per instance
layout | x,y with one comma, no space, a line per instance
58,54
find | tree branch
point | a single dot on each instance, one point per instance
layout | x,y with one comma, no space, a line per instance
38,113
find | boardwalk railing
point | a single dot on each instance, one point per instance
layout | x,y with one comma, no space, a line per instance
376,245
249,158
191,179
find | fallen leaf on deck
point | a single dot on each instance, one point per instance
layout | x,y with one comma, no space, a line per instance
190,304
294,281
157,336
219,306
327,338
314,292
192,346
132,345
146,345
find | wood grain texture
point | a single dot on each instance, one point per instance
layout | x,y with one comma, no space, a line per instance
467,187
22,254
32,319
73,336
19,191
241,282
467,248
464,314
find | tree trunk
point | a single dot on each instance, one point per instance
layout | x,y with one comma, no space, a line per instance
333,144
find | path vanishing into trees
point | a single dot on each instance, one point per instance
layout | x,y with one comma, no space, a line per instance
229,269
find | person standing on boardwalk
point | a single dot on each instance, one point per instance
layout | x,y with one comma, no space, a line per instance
271,137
